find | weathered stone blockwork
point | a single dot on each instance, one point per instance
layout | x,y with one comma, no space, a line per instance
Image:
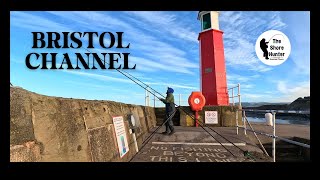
226,116
66,129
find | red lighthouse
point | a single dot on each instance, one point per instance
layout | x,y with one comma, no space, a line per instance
212,63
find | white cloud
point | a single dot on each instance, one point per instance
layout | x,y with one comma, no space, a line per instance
98,76
104,87
164,54
140,76
241,29
149,65
276,22
35,22
172,85
154,54
92,20
270,92
151,48
234,79
299,37
167,23
255,76
108,79
87,85
291,92
252,96
247,86
257,97
301,59
282,87
283,92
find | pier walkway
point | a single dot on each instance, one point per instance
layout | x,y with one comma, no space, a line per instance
192,144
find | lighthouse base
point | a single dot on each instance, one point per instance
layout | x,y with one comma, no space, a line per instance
226,116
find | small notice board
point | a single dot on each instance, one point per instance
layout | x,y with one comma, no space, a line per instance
211,117
121,135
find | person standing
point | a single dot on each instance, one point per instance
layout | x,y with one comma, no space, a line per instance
170,109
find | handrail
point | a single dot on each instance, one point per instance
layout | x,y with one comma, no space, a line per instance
232,96
276,111
274,137
264,150
233,87
179,98
281,138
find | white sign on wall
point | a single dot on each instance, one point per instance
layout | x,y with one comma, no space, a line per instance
211,117
121,135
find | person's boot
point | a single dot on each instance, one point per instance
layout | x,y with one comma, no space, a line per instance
172,131
165,133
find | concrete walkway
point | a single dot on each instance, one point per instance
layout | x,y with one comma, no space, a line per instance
194,144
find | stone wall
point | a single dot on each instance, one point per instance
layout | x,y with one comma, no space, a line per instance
70,130
226,115
27,152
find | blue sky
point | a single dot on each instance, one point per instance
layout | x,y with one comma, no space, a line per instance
165,49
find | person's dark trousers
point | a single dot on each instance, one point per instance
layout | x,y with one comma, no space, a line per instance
169,123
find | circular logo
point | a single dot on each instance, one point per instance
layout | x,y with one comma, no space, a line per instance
273,47
196,100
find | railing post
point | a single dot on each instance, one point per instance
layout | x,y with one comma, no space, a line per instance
239,95
274,137
232,97
147,99
244,123
255,134
179,99
154,100
237,122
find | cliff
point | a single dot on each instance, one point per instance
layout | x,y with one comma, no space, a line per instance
300,104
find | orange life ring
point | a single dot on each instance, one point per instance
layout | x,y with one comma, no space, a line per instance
196,101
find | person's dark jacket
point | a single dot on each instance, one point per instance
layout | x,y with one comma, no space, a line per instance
169,101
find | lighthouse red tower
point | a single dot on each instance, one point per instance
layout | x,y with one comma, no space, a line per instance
212,63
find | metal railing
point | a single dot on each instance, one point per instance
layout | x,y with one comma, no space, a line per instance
147,97
232,96
274,136
179,98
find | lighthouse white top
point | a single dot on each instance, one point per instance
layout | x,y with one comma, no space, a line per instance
209,20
